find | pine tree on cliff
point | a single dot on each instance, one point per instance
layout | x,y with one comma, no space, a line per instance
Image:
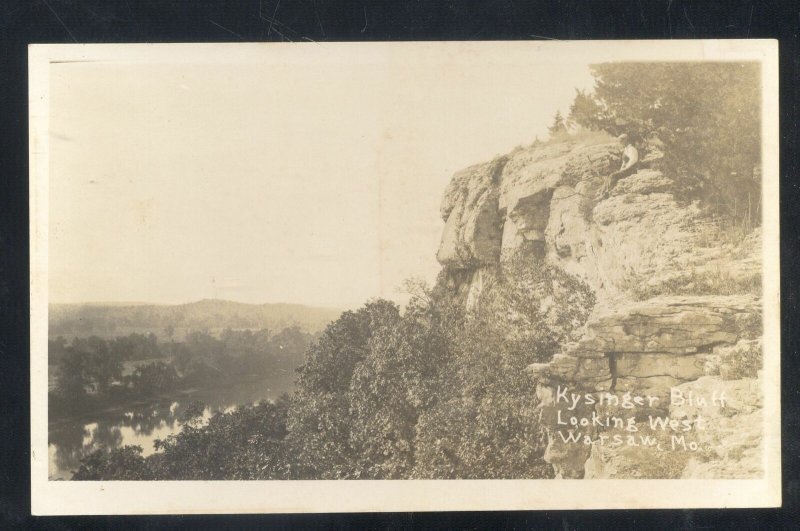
558,125
585,111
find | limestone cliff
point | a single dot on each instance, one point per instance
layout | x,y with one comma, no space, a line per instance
678,307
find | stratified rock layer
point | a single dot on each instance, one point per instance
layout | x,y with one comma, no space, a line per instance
651,349
661,330
637,239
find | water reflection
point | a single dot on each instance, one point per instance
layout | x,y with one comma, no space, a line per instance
72,439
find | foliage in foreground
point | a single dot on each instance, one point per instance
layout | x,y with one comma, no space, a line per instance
247,443
434,392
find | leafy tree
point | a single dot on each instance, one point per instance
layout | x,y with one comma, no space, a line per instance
126,464
400,378
244,444
289,346
154,377
56,349
320,417
485,423
247,443
136,347
88,366
202,358
73,374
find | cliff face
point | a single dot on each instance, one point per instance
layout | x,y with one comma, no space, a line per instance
678,309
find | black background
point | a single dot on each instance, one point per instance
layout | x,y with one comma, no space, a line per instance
66,21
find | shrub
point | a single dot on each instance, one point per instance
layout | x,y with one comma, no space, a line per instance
124,463
714,282
742,360
484,422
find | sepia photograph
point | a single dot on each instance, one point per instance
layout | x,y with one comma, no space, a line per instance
328,276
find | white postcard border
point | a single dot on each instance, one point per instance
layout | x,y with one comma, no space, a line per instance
56,497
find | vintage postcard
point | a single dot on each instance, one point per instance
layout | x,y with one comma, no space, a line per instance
329,277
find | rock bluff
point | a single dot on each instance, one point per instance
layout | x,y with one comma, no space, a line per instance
678,302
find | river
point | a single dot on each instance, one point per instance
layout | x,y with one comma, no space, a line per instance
69,440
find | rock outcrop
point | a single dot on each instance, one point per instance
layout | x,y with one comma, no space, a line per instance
664,351
546,198
472,221
678,310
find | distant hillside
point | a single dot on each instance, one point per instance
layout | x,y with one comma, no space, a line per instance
211,315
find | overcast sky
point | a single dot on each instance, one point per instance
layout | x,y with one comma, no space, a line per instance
311,177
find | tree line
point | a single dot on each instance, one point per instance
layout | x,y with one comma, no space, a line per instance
90,371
